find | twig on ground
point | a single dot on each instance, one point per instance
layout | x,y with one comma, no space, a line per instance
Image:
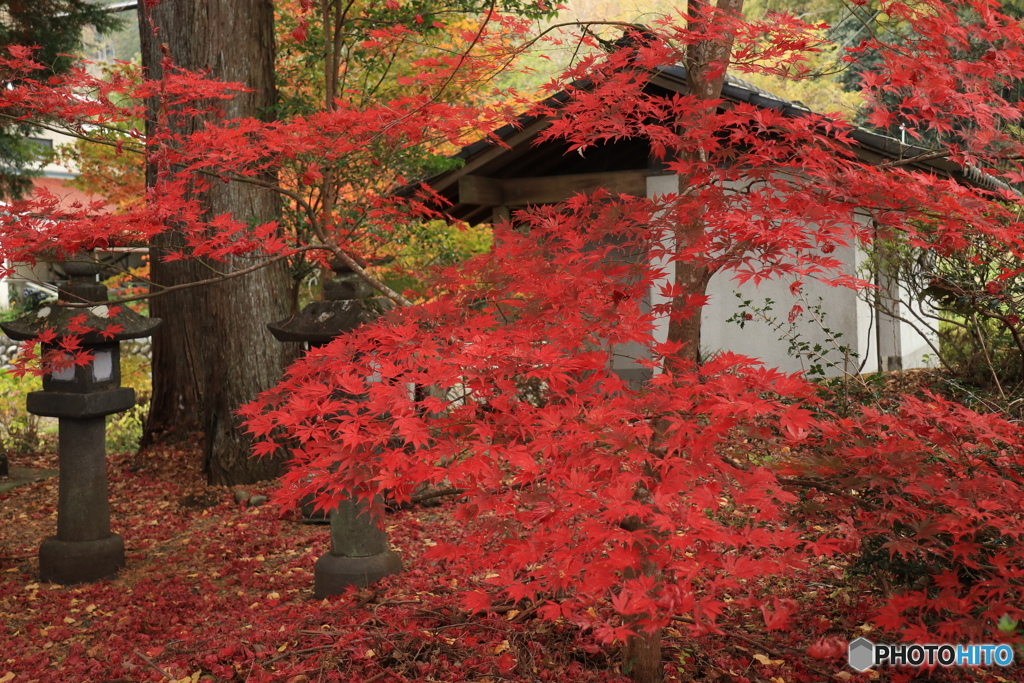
430,613
154,666
525,614
395,603
826,488
524,611
753,642
303,651
366,600
500,609
738,636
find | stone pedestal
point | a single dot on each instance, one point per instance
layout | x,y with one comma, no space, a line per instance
80,561
84,548
359,553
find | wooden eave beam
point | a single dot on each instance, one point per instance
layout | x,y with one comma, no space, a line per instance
548,189
520,138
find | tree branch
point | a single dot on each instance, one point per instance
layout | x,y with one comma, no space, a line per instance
920,158
199,283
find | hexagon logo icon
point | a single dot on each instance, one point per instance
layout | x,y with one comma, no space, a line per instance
861,654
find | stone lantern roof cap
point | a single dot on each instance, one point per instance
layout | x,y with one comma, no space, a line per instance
82,303
97,318
349,302
322,321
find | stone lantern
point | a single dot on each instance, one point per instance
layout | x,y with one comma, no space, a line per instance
359,554
81,396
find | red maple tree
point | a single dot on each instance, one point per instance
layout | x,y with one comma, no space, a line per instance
665,500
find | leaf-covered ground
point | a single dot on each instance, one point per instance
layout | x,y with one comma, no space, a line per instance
219,591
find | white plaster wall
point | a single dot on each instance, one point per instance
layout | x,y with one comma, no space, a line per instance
5,294
58,140
836,324
844,320
867,330
916,350
661,185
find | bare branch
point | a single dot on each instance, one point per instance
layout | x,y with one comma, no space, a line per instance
199,283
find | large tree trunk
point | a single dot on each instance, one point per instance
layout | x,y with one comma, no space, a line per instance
213,351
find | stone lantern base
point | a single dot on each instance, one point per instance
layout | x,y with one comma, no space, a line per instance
332,573
359,552
80,561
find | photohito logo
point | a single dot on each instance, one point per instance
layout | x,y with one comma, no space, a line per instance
863,654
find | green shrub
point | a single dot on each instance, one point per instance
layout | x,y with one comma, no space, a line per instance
124,430
20,431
